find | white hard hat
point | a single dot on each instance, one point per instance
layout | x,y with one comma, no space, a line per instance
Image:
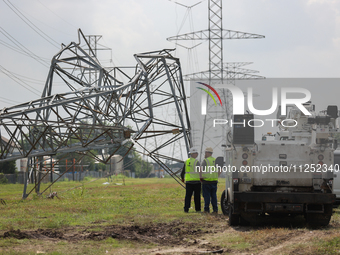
209,149
193,150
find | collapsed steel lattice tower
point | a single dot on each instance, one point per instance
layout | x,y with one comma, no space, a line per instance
98,115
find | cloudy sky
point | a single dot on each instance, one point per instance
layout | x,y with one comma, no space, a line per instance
302,36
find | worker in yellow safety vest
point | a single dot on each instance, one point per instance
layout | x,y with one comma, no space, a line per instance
209,178
190,175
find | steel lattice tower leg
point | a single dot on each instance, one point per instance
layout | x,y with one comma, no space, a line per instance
215,40
215,73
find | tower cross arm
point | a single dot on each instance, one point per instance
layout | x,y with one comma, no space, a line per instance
227,75
215,34
231,34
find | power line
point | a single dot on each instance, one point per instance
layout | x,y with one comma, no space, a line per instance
9,101
16,49
28,79
192,63
19,81
22,47
31,24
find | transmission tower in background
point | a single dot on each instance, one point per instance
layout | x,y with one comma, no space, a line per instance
219,72
93,52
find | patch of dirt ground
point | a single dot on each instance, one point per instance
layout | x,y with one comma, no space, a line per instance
174,233
178,237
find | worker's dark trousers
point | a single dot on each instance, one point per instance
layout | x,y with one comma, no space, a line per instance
196,189
209,192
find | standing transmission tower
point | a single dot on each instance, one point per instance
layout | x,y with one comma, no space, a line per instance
218,72
92,46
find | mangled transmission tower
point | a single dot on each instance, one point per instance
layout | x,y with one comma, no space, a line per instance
219,72
122,115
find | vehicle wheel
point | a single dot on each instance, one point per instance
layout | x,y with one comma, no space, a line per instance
320,219
234,219
224,204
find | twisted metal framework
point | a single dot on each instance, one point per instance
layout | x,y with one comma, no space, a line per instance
99,115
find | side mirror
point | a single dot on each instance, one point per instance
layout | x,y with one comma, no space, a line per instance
219,161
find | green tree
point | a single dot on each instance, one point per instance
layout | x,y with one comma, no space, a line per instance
133,161
100,166
3,179
8,167
143,168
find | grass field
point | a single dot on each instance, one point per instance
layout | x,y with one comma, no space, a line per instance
144,216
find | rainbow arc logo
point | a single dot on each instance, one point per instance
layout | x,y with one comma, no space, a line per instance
209,93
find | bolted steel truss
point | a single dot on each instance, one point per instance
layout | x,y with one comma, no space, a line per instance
97,117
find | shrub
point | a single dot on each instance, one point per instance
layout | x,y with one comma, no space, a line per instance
3,179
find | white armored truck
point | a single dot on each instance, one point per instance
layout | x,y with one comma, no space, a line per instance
286,173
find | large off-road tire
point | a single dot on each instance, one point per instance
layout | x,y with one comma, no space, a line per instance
320,219
234,219
226,206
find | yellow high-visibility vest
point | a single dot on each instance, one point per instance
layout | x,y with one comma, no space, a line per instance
190,170
210,172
